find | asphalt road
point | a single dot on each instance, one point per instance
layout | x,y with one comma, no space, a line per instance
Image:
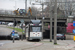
4,31
3,42
33,45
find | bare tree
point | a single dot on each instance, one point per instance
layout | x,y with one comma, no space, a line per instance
35,11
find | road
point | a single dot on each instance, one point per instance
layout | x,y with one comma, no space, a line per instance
34,45
4,31
3,42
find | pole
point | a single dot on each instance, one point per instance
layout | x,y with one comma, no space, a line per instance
25,29
36,14
74,29
65,7
50,21
26,12
55,23
26,5
74,35
42,21
13,29
22,32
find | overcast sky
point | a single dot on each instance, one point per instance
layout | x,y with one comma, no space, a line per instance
11,4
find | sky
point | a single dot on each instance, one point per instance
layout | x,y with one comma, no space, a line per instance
14,4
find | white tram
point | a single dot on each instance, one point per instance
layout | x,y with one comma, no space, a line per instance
34,30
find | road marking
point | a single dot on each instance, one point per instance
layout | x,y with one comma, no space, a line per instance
37,44
65,47
71,45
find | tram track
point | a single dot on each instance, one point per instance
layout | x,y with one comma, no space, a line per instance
35,45
67,45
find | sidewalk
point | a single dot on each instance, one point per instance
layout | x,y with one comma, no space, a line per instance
42,45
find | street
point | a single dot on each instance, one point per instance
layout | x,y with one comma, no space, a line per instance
44,44
34,45
37,24
4,31
2,42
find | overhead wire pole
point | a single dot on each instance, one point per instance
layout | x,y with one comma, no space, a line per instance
65,7
26,5
50,20
42,19
55,22
26,12
13,29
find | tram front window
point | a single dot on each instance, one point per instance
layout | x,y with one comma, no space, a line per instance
35,29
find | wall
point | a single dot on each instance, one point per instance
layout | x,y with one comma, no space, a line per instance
69,37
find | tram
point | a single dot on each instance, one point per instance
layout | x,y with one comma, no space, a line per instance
34,30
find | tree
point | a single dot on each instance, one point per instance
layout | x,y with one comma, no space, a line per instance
35,11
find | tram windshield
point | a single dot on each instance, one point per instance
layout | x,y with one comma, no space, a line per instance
36,29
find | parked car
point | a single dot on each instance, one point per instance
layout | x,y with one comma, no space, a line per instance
3,23
10,24
61,36
16,35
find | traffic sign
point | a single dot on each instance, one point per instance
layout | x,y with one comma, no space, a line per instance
13,33
22,21
73,23
74,31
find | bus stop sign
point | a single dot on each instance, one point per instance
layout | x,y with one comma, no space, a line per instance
73,23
